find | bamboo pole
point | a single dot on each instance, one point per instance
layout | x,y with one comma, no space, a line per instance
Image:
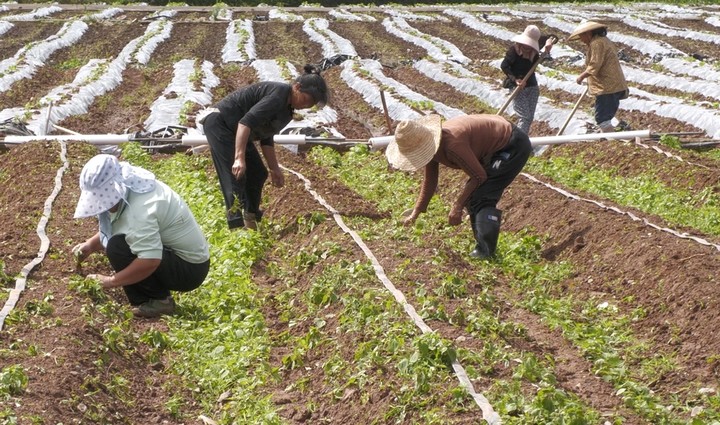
567,121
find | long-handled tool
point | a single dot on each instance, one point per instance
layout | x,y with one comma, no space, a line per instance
374,143
385,110
567,121
548,45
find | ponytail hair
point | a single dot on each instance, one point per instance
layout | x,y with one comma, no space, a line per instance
313,84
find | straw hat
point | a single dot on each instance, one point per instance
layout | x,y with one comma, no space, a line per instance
104,181
529,37
585,27
416,142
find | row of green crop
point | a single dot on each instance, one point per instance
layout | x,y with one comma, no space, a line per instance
600,333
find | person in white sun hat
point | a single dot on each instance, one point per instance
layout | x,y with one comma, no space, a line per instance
488,148
606,80
149,235
519,60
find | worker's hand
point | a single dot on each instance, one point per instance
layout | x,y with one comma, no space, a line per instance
238,168
105,281
549,43
277,177
521,84
80,252
455,216
580,79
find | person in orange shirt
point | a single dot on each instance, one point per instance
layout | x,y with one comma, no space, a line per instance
603,72
488,148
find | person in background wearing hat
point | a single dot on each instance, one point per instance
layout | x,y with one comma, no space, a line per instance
519,60
149,235
606,80
488,148
256,112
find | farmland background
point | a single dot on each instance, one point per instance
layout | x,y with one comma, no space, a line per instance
601,306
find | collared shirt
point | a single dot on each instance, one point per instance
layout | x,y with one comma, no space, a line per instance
262,107
606,74
160,219
468,142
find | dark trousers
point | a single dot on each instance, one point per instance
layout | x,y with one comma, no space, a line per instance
244,193
504,166
607,105
174,273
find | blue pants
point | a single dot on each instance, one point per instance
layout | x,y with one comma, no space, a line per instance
607,105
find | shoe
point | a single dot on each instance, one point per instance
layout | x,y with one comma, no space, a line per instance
250,220
479,252
623,126
486,227
155,308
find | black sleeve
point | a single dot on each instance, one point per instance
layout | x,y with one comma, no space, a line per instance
507,63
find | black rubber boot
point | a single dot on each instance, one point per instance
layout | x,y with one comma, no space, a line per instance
487,230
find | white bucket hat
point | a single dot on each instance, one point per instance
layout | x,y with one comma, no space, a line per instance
585,27
416,142
529,37
104,181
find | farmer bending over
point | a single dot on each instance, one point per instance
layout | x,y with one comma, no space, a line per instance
255,112
147,231
488,148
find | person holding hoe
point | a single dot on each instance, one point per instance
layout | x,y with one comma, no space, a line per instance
147,231
606,80
488,148
519,68
255,112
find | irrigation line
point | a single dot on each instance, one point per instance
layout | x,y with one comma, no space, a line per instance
629,214
492,417
20,282
670,155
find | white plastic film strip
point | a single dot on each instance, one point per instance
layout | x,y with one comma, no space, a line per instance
629,214
20,282
489,415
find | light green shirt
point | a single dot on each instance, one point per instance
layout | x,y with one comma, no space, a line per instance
160,218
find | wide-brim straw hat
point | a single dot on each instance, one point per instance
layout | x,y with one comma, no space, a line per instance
585,27
104,181
530,37
416,142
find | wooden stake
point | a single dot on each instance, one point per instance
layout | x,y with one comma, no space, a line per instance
387,116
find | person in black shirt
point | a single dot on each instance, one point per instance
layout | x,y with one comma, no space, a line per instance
255,112
519,60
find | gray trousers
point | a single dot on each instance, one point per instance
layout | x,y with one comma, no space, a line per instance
524,105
